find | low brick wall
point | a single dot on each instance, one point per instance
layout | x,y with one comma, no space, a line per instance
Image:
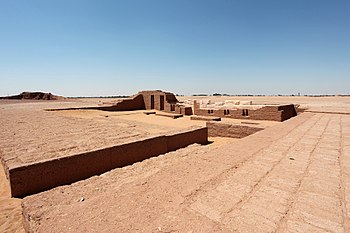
288,111
218,129
36,177
270,112
182,139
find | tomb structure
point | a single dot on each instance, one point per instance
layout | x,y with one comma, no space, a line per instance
158,100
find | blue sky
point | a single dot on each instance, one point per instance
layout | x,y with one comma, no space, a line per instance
100,47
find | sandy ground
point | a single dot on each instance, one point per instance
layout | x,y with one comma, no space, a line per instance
184,189
10,208
294,179
31,134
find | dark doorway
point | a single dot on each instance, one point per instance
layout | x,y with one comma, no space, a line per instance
172,107
245,112
161,102
152,101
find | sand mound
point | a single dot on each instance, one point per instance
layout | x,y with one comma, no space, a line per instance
34,96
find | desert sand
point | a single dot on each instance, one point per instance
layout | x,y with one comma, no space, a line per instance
10,208
291,177
275,185
33,134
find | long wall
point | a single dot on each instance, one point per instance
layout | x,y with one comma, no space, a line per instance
271,113
41,176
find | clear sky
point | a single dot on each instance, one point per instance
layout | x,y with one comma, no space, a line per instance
100,47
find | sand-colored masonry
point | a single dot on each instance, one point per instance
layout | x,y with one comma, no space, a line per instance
36,177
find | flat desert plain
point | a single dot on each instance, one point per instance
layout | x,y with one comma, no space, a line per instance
290,177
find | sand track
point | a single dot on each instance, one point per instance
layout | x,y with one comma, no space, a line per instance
10,208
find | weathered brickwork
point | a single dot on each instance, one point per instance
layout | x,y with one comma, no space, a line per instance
271,113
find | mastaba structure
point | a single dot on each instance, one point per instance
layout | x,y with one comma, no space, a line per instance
148,100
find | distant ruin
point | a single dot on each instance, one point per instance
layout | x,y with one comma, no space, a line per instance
167,102
147,100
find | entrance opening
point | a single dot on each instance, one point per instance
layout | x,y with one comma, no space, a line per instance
152,101
162,102
172,107
245,112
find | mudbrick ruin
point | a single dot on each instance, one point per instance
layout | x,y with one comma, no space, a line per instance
167,102
163,164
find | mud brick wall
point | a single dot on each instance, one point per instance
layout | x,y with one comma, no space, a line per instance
271,113
147,100
274,113
164,101
288,111
186,111
159,97
183,139
134,103
218,129
182,110
44,175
